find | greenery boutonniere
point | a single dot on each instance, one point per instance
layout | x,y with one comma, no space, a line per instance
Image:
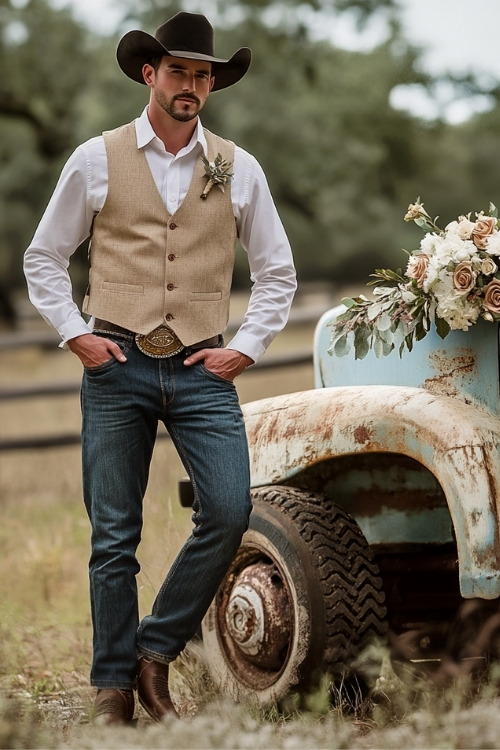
217,173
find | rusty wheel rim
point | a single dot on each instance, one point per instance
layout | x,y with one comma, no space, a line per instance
255,617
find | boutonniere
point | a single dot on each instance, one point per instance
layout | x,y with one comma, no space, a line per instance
217,173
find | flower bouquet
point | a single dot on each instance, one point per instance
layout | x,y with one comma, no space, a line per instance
453,279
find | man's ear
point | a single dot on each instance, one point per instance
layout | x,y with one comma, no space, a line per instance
212,82
148,73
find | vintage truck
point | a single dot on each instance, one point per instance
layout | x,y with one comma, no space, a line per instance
376,501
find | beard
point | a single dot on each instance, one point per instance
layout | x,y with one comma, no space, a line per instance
182,113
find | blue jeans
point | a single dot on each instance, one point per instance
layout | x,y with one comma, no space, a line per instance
122,404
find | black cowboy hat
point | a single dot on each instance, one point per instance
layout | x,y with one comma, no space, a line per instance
188,35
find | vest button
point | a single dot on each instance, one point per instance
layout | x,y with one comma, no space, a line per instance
170,287
173,225
171,256
169,316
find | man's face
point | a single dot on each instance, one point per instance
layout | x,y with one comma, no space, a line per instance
180,87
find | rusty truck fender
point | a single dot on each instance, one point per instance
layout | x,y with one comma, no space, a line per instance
455,441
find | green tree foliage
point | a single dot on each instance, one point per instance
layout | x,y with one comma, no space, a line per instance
333,147
226,11
44,61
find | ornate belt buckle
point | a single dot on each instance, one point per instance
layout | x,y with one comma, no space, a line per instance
160,343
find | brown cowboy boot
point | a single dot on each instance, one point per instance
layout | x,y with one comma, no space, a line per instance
152,688
113,706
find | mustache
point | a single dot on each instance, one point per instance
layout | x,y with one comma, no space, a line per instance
192,97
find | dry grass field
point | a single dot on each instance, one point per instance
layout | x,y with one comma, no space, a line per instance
44,617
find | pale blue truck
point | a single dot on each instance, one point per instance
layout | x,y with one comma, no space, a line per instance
376,498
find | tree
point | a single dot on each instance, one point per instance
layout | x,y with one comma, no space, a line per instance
45,61
333,147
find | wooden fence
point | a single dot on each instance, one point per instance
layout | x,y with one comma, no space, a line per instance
53,390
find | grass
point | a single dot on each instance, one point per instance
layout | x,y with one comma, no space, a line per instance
45,638
397,716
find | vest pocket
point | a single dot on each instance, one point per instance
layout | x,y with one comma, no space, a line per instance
111,286
205,296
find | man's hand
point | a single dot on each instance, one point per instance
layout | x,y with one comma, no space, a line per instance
95,350
227,363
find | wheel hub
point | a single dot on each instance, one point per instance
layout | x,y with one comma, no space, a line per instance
257,615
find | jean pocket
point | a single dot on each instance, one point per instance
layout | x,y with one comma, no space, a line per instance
107,365
102,367
214,376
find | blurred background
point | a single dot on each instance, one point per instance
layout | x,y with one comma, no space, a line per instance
354,108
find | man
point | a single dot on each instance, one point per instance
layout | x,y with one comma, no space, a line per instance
163,201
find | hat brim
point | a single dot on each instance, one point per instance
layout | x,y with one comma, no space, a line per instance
137,47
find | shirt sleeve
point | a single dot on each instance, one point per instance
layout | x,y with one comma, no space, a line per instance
270,260
65,224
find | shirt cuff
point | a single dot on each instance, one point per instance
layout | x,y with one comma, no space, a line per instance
247,344
72,329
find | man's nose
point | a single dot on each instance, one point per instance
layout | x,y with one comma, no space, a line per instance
189,82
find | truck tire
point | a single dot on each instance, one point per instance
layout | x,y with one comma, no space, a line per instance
301,598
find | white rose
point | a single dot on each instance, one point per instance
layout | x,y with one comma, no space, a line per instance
488,267
465,227
493,244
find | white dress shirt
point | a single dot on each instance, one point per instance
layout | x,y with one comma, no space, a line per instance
80,194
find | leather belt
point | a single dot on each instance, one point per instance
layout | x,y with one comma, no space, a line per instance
160,343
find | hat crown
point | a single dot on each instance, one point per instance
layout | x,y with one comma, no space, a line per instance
187,32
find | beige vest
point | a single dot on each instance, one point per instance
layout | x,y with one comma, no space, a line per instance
148,267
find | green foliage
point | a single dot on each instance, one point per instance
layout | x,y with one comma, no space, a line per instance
45,63
384,324
331,145
156,12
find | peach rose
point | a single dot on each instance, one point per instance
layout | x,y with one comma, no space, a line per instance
464,277
492,296
417,268
485,225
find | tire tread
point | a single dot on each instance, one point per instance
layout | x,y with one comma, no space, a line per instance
348,576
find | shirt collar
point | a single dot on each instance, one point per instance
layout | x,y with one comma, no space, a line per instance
145,133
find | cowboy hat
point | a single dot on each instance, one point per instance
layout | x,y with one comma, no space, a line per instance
188,35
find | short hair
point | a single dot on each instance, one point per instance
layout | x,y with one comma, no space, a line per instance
155,61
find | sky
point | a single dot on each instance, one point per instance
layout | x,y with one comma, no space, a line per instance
455,35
